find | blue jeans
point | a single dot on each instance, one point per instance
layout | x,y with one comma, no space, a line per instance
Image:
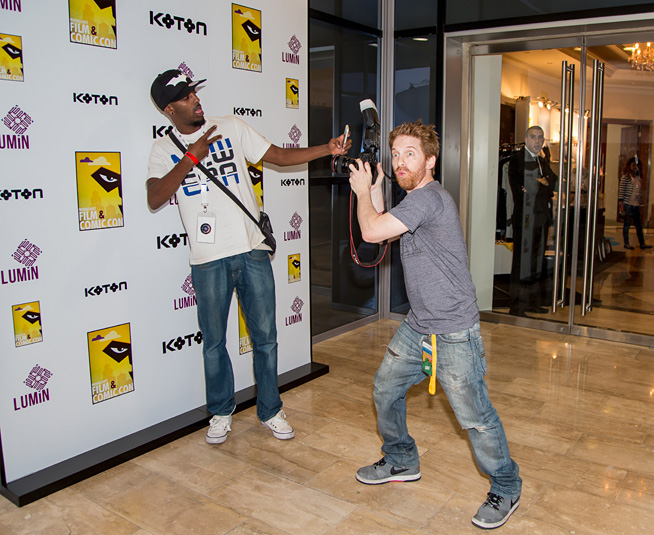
632,213
460,369
214,282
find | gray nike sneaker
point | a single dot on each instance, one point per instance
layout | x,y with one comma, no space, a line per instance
382,472
495,511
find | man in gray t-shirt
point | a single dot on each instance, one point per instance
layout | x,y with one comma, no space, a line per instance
444,317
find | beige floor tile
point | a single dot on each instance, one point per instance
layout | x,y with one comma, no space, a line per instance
199,467
546,467
292,459
409,503
347,442
63,513
455,518
630,410
637,491
253,526
331,405
633,457
555,394
112,481
454,474
358,391
579,511
366,522
165,508
282,504
345,368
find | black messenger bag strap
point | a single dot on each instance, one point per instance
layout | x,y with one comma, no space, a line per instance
213,179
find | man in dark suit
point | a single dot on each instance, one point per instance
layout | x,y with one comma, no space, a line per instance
532,184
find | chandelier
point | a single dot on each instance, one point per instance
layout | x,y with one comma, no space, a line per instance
642,59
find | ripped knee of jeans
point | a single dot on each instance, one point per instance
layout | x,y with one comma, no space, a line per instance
478,428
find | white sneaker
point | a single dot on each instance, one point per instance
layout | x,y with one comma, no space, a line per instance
280,428
219,426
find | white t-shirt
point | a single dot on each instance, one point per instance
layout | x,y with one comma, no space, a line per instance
235,232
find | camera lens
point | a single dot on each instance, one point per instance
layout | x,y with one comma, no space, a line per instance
341,164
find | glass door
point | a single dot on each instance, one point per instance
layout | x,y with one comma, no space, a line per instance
616,278
573,118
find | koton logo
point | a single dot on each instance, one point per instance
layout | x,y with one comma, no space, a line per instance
297,308
18,122
160,131
292,57
26,254
172,240
169,21
37,379
100,289
189,300
88,98
296,234
177,344
295,134
247,112
292,182
18,194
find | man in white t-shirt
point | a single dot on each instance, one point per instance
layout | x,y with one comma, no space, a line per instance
227,249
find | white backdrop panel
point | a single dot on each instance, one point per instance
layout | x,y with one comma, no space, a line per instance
73,261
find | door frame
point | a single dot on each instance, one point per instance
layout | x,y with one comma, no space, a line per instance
460,49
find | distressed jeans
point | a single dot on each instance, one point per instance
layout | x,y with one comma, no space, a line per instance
214,282
461,366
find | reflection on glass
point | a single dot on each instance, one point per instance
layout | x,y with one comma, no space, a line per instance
362,11
415,98
343,71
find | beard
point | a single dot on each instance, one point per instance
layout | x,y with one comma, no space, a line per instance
411,179
198,121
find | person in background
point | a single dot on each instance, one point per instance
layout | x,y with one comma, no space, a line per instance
630,198
532,183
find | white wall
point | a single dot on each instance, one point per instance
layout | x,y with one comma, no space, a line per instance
485,113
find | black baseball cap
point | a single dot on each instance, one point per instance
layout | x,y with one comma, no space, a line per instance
171,86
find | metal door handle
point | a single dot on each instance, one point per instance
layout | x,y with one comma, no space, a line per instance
593,186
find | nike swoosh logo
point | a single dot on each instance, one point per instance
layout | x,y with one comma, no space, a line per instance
394,472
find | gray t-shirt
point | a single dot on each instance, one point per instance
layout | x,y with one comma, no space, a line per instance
435,261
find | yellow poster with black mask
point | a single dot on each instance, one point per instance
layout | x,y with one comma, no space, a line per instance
99,190
27,323
93,22
244,340
110,359
255,170
246,38
11,57
292,93
294,274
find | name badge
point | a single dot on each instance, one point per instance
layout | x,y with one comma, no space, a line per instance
206,231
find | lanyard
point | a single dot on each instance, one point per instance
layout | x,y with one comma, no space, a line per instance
204,185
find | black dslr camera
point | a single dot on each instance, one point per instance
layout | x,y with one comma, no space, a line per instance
370,145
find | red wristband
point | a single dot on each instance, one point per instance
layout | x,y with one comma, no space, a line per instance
192,158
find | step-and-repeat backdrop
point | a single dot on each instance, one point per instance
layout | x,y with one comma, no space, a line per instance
98,329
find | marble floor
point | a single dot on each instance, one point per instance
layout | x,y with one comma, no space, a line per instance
577,412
